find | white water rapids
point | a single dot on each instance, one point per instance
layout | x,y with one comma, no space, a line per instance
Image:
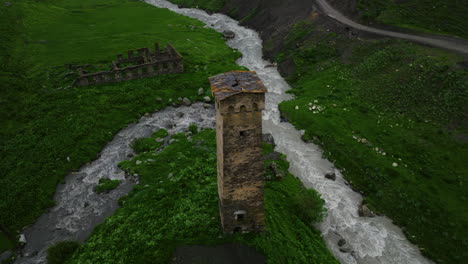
372,240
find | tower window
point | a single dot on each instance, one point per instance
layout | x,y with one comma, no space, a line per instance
239,215
243,133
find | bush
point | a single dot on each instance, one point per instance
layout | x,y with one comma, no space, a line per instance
61,252
308,206
106,185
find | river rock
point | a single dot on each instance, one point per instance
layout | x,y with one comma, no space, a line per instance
138,162
341,242
186,101
147,114
268,138
207,99
330,175
228,34
364,211
345,249
201,91
180,114
22,239
206,105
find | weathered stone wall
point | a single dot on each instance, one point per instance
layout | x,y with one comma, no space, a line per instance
240,165
148,65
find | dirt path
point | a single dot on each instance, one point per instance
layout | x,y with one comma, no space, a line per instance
449,43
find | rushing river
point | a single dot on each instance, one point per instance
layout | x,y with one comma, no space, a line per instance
79,209
370,240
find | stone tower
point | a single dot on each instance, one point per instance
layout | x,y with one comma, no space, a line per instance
240,99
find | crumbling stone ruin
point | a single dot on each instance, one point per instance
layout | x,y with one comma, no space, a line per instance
140,64
240,99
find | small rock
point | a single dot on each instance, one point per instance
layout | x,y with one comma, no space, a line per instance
22,239
364,211
341,242
159,99
395,164
186,101
297,107
206,105
363,140
268,138
147,114
228,34
150,160
330,175
201,91
207,99
180,114
345,249
171,141
138,162
159,140
170,175
68,159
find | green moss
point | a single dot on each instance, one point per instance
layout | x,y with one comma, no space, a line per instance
389,118
48,129
61,252
147,144
106,185
437,16
176,203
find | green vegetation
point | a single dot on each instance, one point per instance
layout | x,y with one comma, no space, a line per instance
106,185
437,16
176,203
50,129
208,5
61,252
152,143
390,115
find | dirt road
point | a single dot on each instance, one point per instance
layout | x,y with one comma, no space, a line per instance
449,43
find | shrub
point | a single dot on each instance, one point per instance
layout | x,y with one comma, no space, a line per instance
61,252
106,185
308,206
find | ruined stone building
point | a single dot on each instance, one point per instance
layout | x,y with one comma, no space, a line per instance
240,99
140,64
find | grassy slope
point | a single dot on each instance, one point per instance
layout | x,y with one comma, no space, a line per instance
176,203
437,16
400,98
43,125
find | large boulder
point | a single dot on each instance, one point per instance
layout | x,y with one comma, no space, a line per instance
228,34
364,211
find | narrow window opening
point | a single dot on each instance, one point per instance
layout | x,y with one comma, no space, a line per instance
243,108
243,133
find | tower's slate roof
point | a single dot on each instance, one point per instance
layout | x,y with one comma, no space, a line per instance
230,83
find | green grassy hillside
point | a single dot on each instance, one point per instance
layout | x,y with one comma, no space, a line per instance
176,203
50,129
436,16
392,115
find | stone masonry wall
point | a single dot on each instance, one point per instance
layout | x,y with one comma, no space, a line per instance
240,165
